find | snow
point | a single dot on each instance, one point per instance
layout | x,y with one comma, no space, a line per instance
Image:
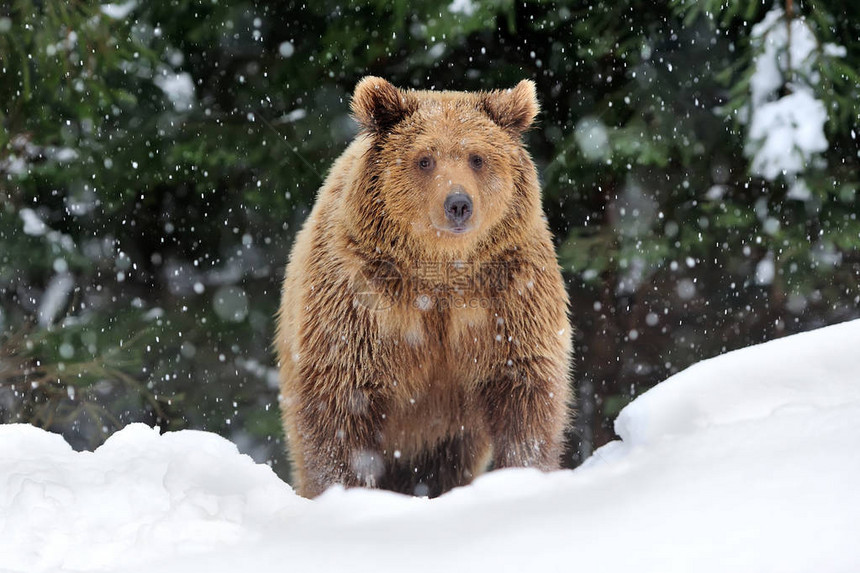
230,303
745,462
33,224
799,190
771,39
118,11
53,300
465,7
63,154
765,270
815,372
137,496
13,165
295,115
286,49
178,87
786,133
592,138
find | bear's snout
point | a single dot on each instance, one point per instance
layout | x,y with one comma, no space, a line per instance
458,206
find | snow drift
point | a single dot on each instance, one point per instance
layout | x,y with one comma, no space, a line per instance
746,462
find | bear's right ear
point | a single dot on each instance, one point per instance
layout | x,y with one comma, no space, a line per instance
378,106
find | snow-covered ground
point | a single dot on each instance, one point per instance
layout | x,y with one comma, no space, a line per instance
746,462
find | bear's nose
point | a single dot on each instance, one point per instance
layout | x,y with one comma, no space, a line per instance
458,207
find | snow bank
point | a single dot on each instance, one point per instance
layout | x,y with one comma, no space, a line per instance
746,462
812,371
138,497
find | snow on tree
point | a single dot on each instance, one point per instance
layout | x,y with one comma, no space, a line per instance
786,130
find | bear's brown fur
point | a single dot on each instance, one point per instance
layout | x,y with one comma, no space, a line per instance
420,339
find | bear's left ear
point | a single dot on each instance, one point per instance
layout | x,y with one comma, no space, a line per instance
378,106
514,109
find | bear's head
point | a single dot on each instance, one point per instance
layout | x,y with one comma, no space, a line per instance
445,170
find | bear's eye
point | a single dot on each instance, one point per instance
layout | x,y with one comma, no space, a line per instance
476,162
426,163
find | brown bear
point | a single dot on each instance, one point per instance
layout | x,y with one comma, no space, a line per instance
423,331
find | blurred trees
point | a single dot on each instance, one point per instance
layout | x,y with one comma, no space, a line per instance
157,157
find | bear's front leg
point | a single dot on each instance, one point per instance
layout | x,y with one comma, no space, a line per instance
339,434
527,410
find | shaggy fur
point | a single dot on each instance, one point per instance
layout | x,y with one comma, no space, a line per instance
413,355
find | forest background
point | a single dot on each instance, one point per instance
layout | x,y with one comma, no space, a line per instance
699,162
